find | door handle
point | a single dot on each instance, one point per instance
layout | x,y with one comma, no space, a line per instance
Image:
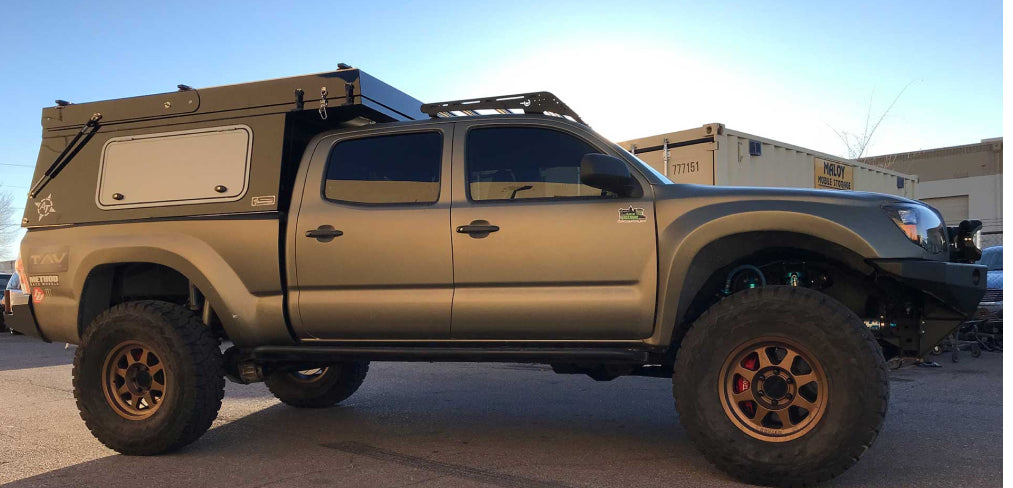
324,233
475,228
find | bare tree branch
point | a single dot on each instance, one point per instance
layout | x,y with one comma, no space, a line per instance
883,116
9,223
857,144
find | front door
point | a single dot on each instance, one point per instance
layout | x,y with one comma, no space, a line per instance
372,253
539,256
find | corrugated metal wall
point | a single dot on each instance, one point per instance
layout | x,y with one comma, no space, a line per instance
781,164
776,166
729,160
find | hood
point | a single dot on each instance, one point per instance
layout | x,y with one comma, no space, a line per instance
852,219
677,190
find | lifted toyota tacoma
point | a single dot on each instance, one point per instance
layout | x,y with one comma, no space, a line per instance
316,223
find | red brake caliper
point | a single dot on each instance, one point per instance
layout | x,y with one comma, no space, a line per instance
751,362
741,384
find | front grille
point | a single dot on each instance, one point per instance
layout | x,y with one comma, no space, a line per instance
992,295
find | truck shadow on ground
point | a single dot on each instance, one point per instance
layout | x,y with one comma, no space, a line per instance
561,432
42,354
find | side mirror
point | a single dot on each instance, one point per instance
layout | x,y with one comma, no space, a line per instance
607,173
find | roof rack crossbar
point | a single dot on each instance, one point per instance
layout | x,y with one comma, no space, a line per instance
532,103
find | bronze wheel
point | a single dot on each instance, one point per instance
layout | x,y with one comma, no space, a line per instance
320,387
773,389
148,377
308,375
781,386
135,380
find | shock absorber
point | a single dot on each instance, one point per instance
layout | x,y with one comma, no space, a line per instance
750,282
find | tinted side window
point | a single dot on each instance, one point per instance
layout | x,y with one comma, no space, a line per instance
505,163
401,168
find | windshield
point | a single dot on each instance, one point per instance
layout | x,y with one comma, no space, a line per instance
992,257
633,159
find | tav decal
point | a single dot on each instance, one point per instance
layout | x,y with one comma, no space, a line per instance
45,206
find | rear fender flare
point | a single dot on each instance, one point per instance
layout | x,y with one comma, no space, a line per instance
240,311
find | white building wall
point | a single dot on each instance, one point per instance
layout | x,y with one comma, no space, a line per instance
984,196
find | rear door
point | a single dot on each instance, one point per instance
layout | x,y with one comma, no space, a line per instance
372,255
561,260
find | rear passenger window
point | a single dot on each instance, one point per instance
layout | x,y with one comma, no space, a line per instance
401,168
515,163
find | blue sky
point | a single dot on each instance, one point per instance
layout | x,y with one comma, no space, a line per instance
788,70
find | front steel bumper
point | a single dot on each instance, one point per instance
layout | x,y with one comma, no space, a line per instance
956,286
950,291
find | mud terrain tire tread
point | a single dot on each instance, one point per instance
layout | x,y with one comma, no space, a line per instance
192,352
815,319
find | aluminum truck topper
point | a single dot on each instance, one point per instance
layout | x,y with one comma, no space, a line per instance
218,150
343,87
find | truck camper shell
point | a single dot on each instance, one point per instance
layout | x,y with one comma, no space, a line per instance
194,152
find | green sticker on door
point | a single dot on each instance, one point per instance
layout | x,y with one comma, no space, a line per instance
627,215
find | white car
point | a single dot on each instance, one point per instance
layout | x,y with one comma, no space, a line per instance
12,296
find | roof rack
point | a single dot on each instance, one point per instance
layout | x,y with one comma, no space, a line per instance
530,103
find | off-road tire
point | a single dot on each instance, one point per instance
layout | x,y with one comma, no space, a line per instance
856,374
185,346
338,382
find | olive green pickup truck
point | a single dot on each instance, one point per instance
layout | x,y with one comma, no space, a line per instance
317,223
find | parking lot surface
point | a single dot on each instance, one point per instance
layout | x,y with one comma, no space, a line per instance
492,425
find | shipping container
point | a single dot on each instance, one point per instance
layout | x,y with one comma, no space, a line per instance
715,155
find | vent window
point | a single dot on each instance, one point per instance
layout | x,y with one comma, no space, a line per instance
175,168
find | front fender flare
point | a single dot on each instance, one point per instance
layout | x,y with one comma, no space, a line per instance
681,243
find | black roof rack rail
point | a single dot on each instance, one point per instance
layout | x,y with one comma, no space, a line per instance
530,103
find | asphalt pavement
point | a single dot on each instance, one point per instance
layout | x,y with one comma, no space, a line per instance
490,425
